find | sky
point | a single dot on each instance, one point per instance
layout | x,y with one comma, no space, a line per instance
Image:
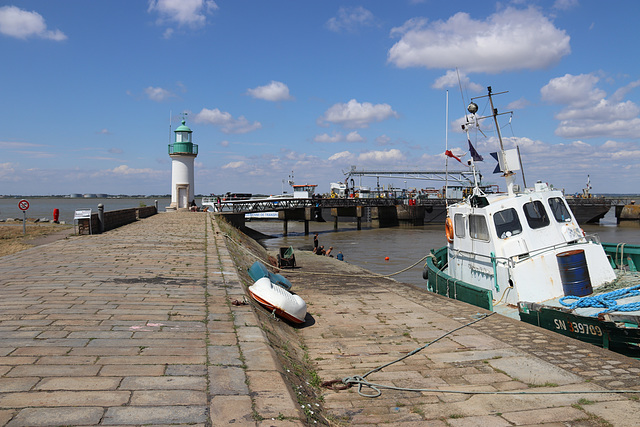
92,91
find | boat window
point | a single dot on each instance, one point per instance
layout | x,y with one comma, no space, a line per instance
507,223
536,214
458,225
559,209
478,227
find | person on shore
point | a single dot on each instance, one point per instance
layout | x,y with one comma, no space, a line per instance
320,250
315,243
340,256
329,251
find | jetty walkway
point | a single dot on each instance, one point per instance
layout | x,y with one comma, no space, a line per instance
147,325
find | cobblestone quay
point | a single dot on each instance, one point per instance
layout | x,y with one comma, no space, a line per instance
145,325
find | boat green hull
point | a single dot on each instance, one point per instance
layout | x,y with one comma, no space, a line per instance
621,337
624,340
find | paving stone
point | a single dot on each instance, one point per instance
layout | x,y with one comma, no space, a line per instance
155,415
227,380
163,383
57,416
231,410
78,383
543,416
17,384
53,371
64,398
174,397
132,370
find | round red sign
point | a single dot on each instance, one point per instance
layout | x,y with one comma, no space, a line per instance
23,205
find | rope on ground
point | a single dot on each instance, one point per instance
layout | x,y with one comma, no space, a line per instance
372,274
361,382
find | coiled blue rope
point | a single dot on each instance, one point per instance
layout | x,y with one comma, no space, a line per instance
608,301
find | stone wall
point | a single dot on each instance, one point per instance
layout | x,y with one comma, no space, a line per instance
114,219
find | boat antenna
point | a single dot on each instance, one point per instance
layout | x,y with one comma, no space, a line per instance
446,147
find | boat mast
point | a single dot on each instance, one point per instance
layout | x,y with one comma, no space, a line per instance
508,174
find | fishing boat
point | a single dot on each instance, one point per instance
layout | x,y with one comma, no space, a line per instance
523,254
278,300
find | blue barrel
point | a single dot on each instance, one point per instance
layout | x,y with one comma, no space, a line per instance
574,273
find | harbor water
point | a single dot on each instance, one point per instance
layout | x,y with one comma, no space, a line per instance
403,245
42,207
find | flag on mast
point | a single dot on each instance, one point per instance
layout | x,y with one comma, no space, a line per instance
450,154
474,154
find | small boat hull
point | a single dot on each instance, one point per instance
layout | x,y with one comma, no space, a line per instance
275,298
258,270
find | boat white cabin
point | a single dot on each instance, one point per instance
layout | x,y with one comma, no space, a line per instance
509,244
513,243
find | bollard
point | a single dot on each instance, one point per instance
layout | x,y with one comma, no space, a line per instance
156,203
100,217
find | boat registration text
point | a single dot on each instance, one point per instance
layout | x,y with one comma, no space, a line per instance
578,328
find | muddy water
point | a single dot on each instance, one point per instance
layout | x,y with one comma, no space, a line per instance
404,246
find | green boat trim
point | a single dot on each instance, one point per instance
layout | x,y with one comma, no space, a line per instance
618,332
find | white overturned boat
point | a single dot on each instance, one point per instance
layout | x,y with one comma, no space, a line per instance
275,298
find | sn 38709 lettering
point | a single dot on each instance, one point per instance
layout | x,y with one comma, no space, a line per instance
578,328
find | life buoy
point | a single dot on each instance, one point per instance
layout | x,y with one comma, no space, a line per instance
448,229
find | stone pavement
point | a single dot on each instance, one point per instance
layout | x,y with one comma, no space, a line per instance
135,327
361,322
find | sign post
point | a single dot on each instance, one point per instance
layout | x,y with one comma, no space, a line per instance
24,205
82,214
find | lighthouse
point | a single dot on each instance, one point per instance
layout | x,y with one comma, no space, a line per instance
183,153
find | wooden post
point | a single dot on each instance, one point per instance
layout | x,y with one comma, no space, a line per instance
306,227
284,227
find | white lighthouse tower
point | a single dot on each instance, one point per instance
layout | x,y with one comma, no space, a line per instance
183,153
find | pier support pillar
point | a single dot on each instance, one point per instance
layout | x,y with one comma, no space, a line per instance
384,216
285,226
306,227
335,222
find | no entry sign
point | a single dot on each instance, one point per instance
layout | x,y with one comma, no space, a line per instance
23,205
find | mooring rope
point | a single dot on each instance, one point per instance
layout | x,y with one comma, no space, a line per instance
361,382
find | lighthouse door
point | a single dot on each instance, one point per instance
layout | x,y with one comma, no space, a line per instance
182,198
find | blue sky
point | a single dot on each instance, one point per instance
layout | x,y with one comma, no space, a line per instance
270,87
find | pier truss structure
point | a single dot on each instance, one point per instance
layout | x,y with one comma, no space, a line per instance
464,178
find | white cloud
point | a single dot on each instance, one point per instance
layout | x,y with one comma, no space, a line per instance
357,115
354,137
342,156
338,137
450,79
158,94
587,113
575,90
18,23
392,155
17,145
191,13
325,137
226,121
350,18
511,39
234,165
274,91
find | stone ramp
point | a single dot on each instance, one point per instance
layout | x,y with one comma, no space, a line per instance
362,322
134,327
